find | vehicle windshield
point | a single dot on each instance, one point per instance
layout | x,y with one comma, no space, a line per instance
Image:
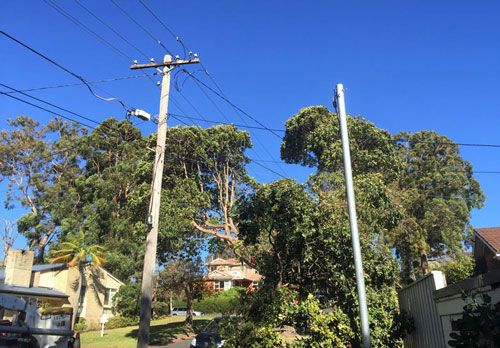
212,326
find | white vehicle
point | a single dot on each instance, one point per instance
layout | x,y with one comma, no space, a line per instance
31,327
182,311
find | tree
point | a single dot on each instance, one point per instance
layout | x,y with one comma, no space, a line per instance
184,275
204,177
423,172
33,164
438,192
8,236
75,252
301,239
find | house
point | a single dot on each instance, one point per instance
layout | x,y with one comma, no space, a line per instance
435,306
98,288
223,274
487,249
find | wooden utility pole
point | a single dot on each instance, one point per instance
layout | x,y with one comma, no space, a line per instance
154,208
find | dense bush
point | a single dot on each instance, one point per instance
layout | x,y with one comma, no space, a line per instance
479,326
127,300
81,325
119,321
458,269
160,309
224,302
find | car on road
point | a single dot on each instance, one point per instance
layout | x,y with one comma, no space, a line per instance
182,311
209,336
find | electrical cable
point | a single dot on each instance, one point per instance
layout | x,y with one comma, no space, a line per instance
83,84
66,70
142,27
117,33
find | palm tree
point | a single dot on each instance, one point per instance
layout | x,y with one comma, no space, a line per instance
75,252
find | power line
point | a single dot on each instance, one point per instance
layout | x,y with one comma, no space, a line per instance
50,104
64,69
231,103
44,109
83,84
223,123
117,33
142,27
66,14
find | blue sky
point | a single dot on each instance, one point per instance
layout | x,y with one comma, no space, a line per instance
406,66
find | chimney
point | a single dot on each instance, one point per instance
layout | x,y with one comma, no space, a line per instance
18,266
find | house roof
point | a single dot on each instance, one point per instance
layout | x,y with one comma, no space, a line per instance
60,266
33,291
48,267
222,275
219,261
491,237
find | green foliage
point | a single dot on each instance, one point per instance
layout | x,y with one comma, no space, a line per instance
224,302
127,300
121,321
295,231
458,269
248,334
37,161
321,328
423,173
160,309
81,325
479,326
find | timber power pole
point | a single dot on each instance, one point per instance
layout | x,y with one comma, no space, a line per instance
154,208
353,220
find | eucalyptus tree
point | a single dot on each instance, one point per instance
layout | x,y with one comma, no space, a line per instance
424,174
34,160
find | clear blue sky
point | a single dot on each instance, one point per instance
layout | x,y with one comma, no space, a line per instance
405,65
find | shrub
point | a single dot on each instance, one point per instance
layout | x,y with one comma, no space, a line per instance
119,321
161,309
458,269
224,302
81,325
479,326
127,300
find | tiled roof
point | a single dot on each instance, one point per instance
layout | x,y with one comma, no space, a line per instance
219,261
491,236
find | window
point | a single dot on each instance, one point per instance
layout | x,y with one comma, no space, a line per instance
219,285
108,296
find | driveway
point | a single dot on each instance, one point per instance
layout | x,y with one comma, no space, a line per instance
181,344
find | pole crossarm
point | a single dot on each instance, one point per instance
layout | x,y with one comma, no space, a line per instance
136,66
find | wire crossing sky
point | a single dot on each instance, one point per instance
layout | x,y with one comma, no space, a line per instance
405,66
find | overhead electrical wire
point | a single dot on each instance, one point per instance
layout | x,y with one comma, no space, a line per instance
93,82
142,27
178,39
66,70
103,22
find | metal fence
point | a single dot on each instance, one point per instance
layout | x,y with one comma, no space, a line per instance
417,300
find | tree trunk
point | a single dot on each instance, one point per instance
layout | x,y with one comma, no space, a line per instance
189,307
78,295
424,263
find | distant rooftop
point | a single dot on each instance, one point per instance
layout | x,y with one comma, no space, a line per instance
491,237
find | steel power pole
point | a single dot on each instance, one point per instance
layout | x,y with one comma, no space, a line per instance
353,220
154,208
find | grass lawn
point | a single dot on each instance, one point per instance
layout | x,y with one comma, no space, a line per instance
162,332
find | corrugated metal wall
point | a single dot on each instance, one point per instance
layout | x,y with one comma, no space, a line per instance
417,300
